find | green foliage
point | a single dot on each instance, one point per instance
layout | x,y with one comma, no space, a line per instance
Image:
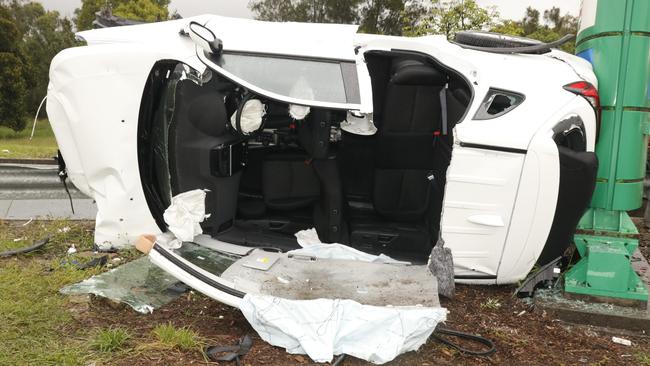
510,27
12,92
554,26
373,16
173,337
449,17
44,34
145,10
111,339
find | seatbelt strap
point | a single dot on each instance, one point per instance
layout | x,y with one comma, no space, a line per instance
443,109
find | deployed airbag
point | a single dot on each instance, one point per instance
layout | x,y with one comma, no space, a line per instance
313,247
323,328
185,214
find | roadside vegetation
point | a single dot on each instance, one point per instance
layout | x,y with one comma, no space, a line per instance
17,145
39,326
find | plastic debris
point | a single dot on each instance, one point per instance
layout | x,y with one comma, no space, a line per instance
623,341
72,249
323,328
64,229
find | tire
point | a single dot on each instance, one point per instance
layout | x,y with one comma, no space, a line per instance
493,40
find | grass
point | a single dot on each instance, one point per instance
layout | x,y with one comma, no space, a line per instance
643,358
491,303
111,339
32,313
18,146
172,337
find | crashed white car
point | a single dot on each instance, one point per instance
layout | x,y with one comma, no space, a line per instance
382,144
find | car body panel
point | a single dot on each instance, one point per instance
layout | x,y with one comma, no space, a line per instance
503,178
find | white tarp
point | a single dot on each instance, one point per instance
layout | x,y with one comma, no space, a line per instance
324,328
185,213
313,247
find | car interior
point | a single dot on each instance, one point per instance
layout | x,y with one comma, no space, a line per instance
379,193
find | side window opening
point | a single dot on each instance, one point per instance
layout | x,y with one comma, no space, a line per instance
297,80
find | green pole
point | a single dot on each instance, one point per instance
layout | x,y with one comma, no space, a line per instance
615,37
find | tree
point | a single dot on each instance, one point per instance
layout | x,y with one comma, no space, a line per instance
42,34
556,26
146,10
315,11
449,17
373,16
12,82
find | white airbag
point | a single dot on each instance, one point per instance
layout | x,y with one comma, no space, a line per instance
313,247
251,117
323,328
185,214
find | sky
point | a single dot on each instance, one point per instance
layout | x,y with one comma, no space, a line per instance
509,9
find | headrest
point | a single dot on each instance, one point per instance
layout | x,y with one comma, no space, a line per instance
412,72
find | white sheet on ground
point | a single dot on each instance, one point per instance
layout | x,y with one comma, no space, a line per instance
324,328
313,247
185,214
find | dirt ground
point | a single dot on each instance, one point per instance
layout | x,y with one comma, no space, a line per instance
523,335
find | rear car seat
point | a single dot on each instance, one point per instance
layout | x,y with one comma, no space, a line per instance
404,161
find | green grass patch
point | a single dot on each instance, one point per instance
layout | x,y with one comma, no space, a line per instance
111,339
18,146
172,337
643,358
62,234
33,316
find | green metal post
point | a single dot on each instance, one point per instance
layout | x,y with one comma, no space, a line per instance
615,38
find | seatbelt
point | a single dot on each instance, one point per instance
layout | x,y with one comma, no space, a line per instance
443,109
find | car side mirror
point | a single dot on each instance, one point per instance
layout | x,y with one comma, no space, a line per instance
204,38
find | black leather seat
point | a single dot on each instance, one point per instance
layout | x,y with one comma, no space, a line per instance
405,148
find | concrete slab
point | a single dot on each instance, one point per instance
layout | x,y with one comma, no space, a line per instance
85,209
599,313
4,208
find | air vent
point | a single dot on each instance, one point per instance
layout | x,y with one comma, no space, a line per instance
497,103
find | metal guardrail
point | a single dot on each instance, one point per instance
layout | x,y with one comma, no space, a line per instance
33,181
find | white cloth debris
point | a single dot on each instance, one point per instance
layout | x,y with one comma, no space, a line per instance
168,240
251,117
185,213
323,328
313,247
359,125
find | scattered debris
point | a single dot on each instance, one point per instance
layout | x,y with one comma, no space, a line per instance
623,341
31,248
491,303
441,264
64,229
28,222
230,353
72,249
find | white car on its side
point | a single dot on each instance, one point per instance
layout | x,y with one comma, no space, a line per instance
384,144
